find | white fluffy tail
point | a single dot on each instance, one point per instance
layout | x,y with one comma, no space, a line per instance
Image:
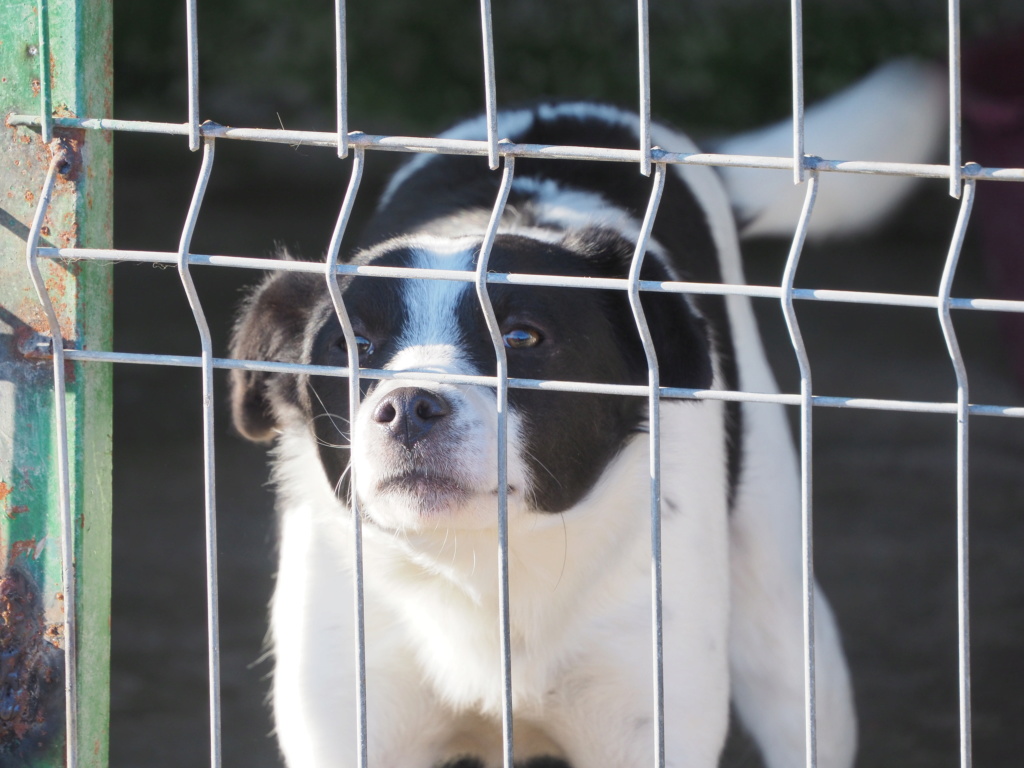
895,114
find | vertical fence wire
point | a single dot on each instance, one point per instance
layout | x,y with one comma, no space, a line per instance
331,271
192,44
501,395
955,145
797,33
806,466
341,76
654,420
45,85
490,86
644,48
67,544
963,604
209,473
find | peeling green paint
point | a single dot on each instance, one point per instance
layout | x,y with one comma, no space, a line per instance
31,594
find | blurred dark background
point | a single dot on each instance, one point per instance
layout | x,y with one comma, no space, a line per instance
884,482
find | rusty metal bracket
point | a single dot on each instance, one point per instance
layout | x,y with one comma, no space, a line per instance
36,347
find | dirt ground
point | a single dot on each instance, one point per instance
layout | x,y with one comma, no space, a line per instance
883,485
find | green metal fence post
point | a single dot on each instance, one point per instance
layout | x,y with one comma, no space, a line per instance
58,51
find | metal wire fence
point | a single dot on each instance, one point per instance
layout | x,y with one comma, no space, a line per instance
806,169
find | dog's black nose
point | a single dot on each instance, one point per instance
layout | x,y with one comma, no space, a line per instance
409,414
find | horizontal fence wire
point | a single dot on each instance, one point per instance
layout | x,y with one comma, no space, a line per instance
445,146
551,281
805,169
629,390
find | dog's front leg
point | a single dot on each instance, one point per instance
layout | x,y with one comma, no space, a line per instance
316,713
604,711
314,680
605,716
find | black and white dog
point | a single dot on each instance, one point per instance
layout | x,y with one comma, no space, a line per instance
423,456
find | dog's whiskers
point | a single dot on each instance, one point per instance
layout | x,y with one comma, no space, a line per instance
565,551
326,444
335,418
532,456
341,481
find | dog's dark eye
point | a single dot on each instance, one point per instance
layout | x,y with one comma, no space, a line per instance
521,338
363,345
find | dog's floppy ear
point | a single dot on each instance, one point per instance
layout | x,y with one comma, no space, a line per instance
680,334
271,325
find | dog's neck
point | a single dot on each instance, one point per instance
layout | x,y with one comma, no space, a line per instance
547,553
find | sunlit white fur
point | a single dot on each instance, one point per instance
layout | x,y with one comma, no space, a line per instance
580,616
893,115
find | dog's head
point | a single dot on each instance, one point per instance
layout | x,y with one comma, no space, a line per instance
425,452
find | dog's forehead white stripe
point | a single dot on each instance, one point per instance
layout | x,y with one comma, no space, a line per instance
433,358
431,305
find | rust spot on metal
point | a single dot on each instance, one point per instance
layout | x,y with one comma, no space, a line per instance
13,512
44,231
23,547
31,672
69,142
5,490
29,196
36,88
56,285
68,237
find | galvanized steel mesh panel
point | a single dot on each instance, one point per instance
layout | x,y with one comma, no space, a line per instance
502,154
